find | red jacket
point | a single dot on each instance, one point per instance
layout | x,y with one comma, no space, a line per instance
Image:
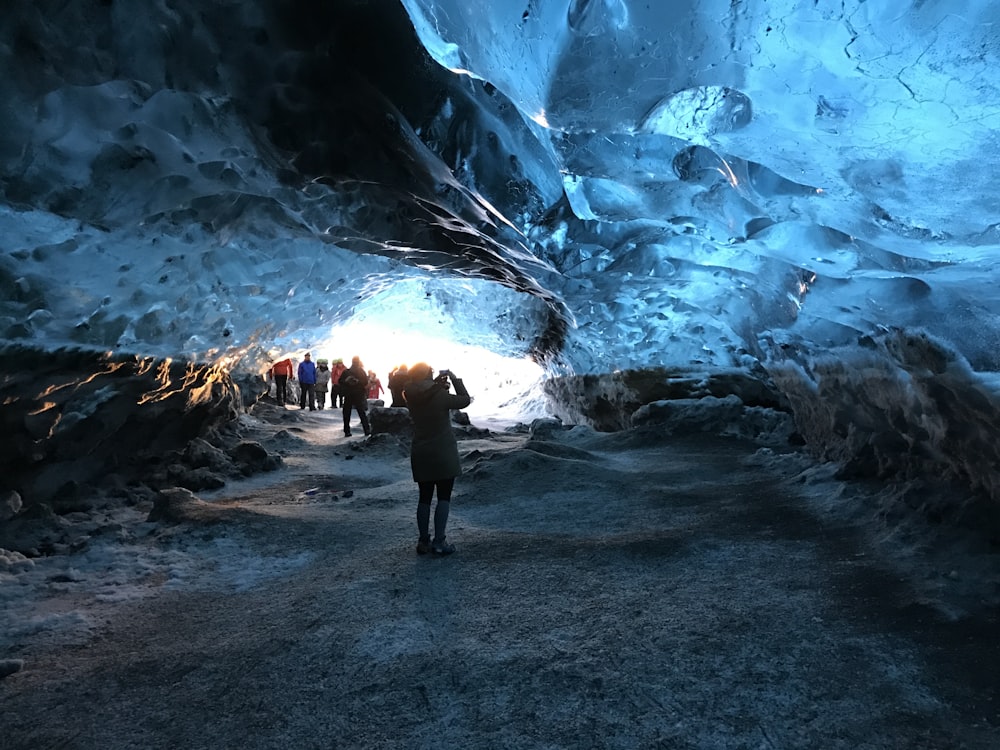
284,367
336,370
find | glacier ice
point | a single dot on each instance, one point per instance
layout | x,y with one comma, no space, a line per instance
596,185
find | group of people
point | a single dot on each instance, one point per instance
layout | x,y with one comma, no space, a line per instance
318,378
434,460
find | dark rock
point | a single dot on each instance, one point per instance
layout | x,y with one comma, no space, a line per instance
10,504
33,531
394,420
89,414
200,453
252,388
10,666
727,416
194,479
707,414
541,429
253,457
177,504
607,401
39,425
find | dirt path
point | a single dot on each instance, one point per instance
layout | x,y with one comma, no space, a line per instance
608,592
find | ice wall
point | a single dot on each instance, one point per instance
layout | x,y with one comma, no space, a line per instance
617,184
817,167
212,182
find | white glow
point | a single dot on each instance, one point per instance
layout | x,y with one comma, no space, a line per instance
541,118
492,380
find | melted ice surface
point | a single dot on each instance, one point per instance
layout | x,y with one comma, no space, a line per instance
602,183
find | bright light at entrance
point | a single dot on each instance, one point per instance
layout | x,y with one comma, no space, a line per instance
493,381
450,323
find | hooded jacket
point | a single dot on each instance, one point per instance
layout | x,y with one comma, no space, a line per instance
322,378
434,450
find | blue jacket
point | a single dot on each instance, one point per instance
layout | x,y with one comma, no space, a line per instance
307,372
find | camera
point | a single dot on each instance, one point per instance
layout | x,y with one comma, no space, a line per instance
444,373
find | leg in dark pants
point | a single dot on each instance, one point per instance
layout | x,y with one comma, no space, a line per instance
424,516
444,489
347,417
361,404
358,404
280,389
308,393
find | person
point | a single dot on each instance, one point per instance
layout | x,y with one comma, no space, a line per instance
397,379
307,382
433,450
354,390
281,371
322,382
336,397
374,385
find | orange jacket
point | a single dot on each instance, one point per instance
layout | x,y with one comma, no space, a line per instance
284,367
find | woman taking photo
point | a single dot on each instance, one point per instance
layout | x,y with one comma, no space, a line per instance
434,451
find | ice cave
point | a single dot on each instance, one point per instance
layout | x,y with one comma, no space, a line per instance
720,275
595,205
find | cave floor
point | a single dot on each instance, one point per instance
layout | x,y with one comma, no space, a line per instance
609,591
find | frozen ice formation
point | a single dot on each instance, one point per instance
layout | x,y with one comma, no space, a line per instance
598,184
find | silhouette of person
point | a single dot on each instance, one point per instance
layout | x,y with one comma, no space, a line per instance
354,389
281,371
336,396
434,450
374,385
397,379
307,382
322,383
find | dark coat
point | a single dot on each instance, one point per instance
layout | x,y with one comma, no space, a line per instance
434,451
354,382
397,381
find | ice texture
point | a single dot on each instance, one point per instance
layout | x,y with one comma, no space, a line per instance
600,185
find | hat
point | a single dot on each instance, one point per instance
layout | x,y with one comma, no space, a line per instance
322,361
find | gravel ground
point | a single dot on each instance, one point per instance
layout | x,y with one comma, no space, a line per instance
609,591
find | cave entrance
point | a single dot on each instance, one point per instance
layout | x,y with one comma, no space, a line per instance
504,389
